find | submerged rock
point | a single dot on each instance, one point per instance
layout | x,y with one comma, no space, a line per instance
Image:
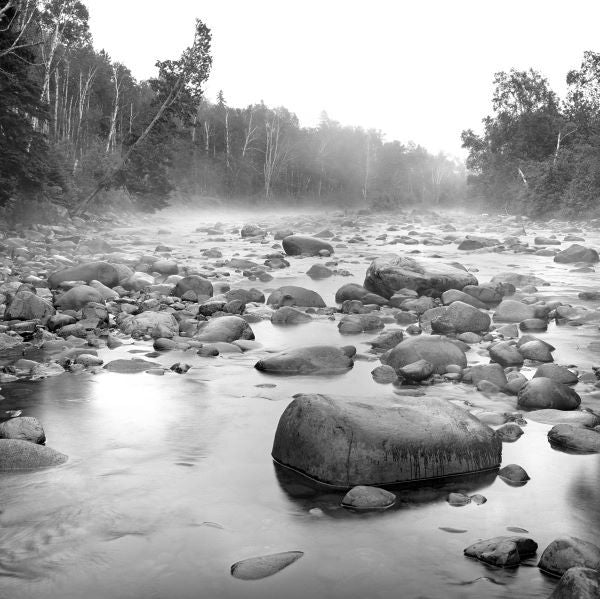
391,272
255,568
16,454
316,359
131,366
289,315
346,442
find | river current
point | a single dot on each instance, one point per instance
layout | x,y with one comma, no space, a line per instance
170,479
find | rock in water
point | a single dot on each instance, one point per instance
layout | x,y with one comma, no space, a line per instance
575,438
391,272
363,497
130,366
255,568
503,552
578,583
92,271
346,442
79,296
27,306
156,324
26,428
16,454
542,392
436,350
224,328
576,253
567,552
296,245
292,295
316,359
199,285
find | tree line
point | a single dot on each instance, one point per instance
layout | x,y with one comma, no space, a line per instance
538,154
78,129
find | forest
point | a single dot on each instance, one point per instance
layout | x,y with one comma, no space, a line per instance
78,129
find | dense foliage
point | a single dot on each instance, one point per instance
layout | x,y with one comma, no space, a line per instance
74,123
538,154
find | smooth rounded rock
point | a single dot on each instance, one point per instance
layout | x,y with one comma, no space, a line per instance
106,273
568,552
391,272
26,428
437,350
316,359
541,392
363,497
255,568
575,438
224,328
16,454
345,442
296,245
578,583
292,295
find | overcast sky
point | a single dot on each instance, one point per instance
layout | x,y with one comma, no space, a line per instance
417,70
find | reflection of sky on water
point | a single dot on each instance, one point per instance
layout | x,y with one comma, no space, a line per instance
153,459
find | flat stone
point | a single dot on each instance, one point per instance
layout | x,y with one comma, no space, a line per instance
255,568
316,359
16,454
363,497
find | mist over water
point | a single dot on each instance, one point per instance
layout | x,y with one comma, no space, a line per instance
170,479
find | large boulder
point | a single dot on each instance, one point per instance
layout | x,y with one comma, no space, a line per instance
391,272
16,454
575,438
224,328
513,311
464,318
155,324
26,305
296,245
79,296
92,271
567,552
292,295
315,359
346,443
541,392
576,253
199,285
578,583
438,351
26,428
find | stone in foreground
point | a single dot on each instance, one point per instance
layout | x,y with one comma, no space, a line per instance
566,552
578,439
344,442
391,272
26,428
504,552
578,583
315,359
363,497
255,568
16,454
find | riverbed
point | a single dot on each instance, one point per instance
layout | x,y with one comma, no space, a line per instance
170,478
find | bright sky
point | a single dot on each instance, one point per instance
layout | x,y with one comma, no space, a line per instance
417,70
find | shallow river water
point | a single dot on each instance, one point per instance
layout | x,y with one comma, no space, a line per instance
170,479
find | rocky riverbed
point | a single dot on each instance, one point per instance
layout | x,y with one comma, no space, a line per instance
195,401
